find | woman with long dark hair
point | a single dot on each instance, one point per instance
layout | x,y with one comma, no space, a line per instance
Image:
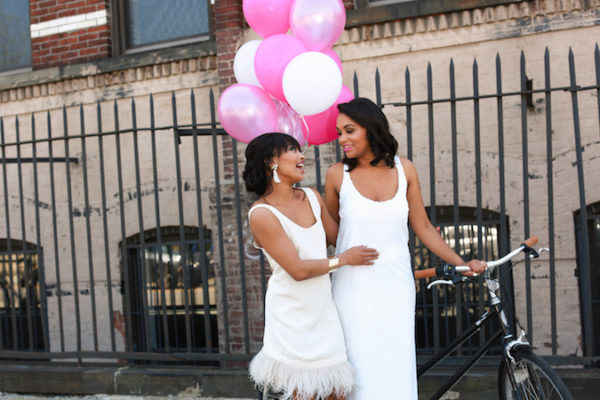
373,194
303,354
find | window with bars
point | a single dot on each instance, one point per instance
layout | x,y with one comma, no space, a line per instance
442,313
21,325
140,25
591,300
172,291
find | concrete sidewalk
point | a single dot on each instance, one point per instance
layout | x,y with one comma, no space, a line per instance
37,382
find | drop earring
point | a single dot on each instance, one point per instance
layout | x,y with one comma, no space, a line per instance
275,176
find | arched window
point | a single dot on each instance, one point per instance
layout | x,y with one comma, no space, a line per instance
171,291
442,313
21,325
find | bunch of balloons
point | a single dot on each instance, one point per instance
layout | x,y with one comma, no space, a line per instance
289,83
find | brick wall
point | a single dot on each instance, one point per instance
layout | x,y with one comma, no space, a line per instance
68,31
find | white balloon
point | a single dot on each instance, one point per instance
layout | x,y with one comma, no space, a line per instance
243,63
312,82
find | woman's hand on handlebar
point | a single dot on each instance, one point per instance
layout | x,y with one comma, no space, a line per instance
477,267
359,255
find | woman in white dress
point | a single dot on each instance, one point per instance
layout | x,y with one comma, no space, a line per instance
303,355
373,195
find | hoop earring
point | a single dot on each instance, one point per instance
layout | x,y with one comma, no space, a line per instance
275,176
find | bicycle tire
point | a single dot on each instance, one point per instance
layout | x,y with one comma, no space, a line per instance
535,379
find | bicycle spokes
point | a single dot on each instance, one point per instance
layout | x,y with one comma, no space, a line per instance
532,383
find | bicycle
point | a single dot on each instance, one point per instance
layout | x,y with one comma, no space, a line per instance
523,375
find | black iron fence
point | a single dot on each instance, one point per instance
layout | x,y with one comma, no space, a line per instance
126,238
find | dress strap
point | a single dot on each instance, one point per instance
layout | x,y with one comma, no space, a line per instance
314,203
268,207
402,183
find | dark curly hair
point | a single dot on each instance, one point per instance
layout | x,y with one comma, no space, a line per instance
368,115
259,153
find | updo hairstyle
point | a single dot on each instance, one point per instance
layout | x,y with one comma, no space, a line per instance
259,153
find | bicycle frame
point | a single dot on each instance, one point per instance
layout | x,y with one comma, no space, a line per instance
495,310
464,368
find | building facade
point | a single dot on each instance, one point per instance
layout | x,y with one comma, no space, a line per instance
123,232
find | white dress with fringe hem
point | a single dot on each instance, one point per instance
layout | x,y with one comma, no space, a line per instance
303,352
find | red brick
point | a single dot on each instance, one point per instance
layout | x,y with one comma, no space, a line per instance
88,36
96,43
50,44
46,3
85,10
78,45
97,28
68,56
60,49
36,13
55,10
88,51
66,13
69,40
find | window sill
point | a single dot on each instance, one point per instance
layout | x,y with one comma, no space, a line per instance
107,65
391,12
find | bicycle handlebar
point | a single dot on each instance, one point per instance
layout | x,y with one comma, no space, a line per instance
432,272
531,241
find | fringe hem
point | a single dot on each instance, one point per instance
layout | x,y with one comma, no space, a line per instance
304,384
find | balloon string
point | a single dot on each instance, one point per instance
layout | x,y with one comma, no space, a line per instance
307,133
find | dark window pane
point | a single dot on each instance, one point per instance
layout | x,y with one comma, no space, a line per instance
153,21
15,46
172,288
20,307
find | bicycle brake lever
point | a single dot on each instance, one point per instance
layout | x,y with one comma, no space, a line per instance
530,251
439,282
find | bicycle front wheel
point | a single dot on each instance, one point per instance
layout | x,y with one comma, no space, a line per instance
535,379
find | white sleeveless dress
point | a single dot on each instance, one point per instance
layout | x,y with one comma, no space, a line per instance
303,346
377,304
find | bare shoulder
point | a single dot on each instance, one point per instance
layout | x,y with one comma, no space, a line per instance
409,168
334,174
336,169
260,215
317,194
315,191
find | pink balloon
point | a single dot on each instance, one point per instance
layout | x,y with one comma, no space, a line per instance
322,126
246,111
317,23
271,58
267,17
334,57
288,121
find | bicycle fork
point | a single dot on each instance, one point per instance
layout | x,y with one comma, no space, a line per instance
509,342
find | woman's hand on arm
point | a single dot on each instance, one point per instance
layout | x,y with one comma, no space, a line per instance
269,234
421,225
